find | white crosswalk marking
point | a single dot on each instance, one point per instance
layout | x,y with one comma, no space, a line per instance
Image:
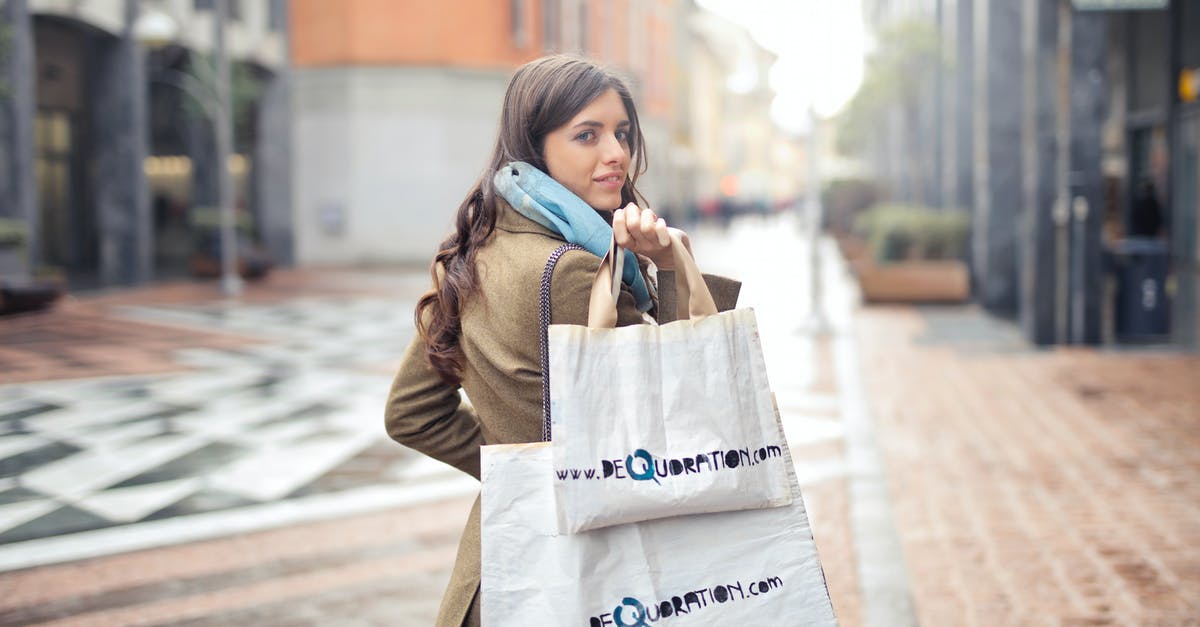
16,514
78,475
137,502
277,471
298,413
258,422
16,444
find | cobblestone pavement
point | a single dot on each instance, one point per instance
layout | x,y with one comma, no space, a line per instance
285,404
384,568
1035,487
194,535
84,337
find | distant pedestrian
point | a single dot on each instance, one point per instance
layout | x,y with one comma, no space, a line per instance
1146,219
569,152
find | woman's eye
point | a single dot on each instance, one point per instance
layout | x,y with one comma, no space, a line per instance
622,136
585,136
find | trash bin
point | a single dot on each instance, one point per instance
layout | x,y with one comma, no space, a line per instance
1141,308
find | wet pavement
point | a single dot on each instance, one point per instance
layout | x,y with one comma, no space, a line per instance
246,404
262,422
171,457
1037,486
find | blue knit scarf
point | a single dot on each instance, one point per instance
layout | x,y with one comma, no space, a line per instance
537,196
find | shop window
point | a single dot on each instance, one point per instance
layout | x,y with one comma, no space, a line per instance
277,15
1146,214
62,220
233,6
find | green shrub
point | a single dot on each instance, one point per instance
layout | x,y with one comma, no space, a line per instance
897,232
12,233
844,199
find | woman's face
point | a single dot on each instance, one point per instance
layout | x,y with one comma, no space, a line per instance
589,155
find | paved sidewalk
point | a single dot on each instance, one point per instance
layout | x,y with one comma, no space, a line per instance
826,417
194,415
953,475
384,568
93,335
1032,487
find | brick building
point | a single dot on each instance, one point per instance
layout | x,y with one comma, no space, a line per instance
397,104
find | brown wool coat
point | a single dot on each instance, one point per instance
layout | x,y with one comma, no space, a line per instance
502,373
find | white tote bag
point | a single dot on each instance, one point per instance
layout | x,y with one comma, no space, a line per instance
654,421
746,568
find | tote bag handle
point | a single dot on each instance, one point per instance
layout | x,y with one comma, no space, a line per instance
544,318
690,287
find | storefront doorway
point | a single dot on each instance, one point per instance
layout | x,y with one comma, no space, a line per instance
69,238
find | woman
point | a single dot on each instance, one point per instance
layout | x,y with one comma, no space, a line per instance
564,169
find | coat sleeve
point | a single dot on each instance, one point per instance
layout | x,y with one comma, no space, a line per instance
571,290
428,415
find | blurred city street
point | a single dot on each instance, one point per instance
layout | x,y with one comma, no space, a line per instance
235,470
969,230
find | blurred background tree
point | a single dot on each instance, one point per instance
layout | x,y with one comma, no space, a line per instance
904,64
245,86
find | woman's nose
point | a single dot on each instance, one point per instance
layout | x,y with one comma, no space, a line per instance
613,150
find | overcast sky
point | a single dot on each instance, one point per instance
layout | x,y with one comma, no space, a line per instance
820,47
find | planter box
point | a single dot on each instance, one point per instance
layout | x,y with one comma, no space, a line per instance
853,248
25,297
12,261
913,281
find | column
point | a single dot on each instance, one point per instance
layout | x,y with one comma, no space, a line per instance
1038,154
964,111
997,101
120,148
273,167
948,116
18,195
1085,184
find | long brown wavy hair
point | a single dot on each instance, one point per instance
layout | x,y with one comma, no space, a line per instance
542,96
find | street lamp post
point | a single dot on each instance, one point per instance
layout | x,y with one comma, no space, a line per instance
231,281
817,324
155,28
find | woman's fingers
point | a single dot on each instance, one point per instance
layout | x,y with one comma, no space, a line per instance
643,232
660,229
647,225
641,228
628,227
633,222
620,231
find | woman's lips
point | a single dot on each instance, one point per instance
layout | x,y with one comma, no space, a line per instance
610,183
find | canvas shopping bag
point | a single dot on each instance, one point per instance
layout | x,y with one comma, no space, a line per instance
746,568
653,421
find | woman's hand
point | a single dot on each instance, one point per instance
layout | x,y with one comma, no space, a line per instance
646,234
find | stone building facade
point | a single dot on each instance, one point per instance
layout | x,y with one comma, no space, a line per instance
1050,120
107,168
